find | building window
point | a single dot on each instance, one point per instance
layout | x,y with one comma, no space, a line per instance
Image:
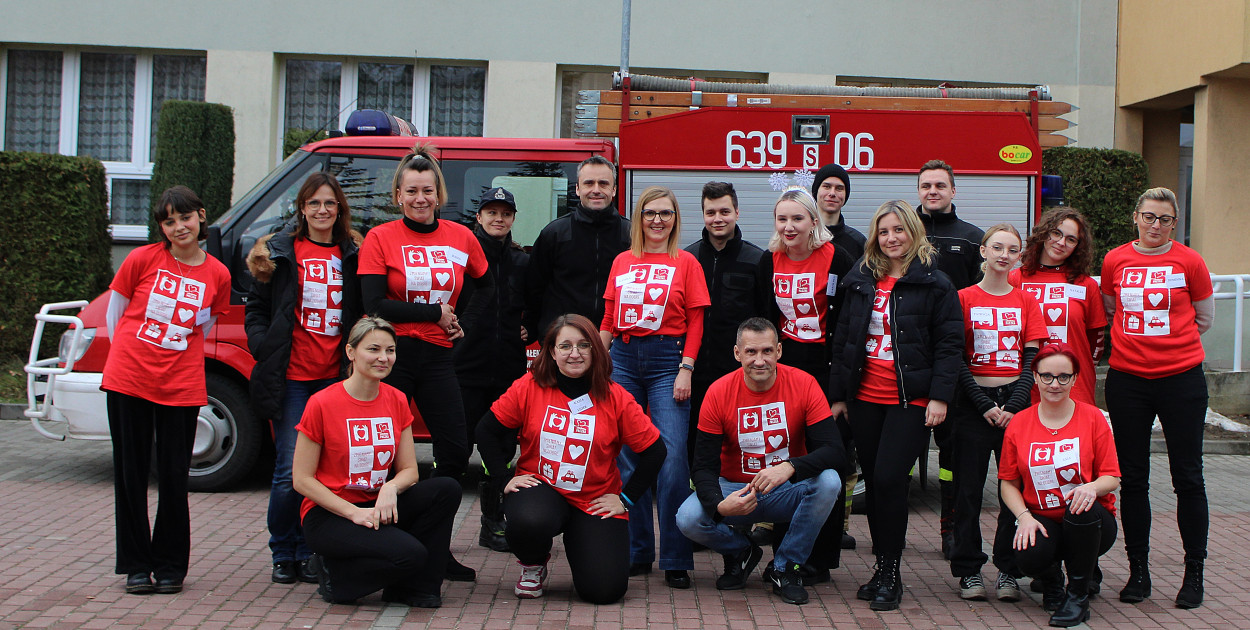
441,100
102,104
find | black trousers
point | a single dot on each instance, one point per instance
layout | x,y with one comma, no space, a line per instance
975,441
165,549
888,439
597,548
1180,401
1037,560
411,554
424,372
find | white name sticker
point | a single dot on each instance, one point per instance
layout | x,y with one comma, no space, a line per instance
1075,291
457,257
580,404
1176,280
832,288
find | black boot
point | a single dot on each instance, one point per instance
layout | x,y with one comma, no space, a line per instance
1080,553
947,518
1138,586
868,590
1190,595
1052,588
890,586
493,525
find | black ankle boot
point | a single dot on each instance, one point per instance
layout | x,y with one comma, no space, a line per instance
1190,595
890,587
1075,607
1053,591
1138,586
868,590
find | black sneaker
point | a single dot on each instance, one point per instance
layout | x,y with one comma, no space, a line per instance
789,585
738,568
284,572
972,587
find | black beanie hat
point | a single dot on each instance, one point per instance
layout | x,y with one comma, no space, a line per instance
827,171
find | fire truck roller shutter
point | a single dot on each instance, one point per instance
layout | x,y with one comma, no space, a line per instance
982,200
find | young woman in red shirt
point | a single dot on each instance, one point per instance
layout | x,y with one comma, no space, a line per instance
1160,296
1055,271
411,273
653,322
371,523
304,287
163,302
572,422
897,350
1002,331
1057,473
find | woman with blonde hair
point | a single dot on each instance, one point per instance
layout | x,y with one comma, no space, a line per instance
653,323
896,353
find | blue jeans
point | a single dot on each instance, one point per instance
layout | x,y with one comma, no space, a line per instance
646,367
804,504
286,537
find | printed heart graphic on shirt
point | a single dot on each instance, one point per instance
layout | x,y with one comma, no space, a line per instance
1067,474
1010,342
1054,313
804,308
443,277
576,451
337,296
655,292
383,457
774,440
185,313
1155,298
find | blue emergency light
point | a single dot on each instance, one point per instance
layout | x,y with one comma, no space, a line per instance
373,122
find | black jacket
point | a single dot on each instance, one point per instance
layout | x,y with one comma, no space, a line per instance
959,247
569,266
740,286
927,330
491,352
847,238
269,316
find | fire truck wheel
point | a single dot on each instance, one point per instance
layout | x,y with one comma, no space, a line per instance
228,439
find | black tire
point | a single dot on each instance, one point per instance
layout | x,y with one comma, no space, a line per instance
228,439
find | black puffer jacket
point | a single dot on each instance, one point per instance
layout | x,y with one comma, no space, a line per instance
569,266
491,352
959,247
926,326
741,287
270,312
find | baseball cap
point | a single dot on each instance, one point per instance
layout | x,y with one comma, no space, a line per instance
497,195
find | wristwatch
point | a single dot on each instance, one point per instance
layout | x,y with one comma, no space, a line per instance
687,366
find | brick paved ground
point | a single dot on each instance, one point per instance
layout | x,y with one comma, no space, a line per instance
56,568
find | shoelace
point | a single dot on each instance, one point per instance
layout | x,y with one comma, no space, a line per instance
532,573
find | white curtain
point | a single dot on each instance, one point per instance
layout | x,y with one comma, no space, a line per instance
457,98
32,120
312,94
106,99
128,201
385,86
174,78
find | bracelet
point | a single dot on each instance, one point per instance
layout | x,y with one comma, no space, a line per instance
626,502
1022,513
687,366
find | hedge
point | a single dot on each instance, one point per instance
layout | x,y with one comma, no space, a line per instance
54,226
296,138
195,148
1103,184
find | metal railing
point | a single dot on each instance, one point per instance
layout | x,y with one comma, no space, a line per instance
1238,295
35,410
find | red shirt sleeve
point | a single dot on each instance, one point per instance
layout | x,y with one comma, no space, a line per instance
1009,462
1095,314
477,258
712,415
510,408
815,407
369,260
1198,278
312,422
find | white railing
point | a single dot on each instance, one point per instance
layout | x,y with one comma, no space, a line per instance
1238,295
48,367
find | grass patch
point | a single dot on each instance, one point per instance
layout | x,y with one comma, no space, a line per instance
12,379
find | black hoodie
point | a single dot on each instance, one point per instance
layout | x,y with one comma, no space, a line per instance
569,266
739,281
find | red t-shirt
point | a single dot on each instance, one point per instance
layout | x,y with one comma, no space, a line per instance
656,295
161,330
802,289
761,429
318,314
422,268
996,327
1049,464
879,383
1153,333
1070,311
573,444
359,440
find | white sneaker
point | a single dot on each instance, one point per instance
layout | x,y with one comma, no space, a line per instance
533,579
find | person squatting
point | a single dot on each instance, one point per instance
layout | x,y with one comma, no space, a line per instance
740,390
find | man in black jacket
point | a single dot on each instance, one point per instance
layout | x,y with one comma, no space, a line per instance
739,281
492,353
572,256
831,188
959,256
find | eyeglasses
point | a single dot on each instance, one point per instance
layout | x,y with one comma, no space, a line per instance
1056,235
663,215
1165,220
1048,378
317,204
583,347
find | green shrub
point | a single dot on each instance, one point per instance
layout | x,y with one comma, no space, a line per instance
194,148
296,138
1103,184
54,227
